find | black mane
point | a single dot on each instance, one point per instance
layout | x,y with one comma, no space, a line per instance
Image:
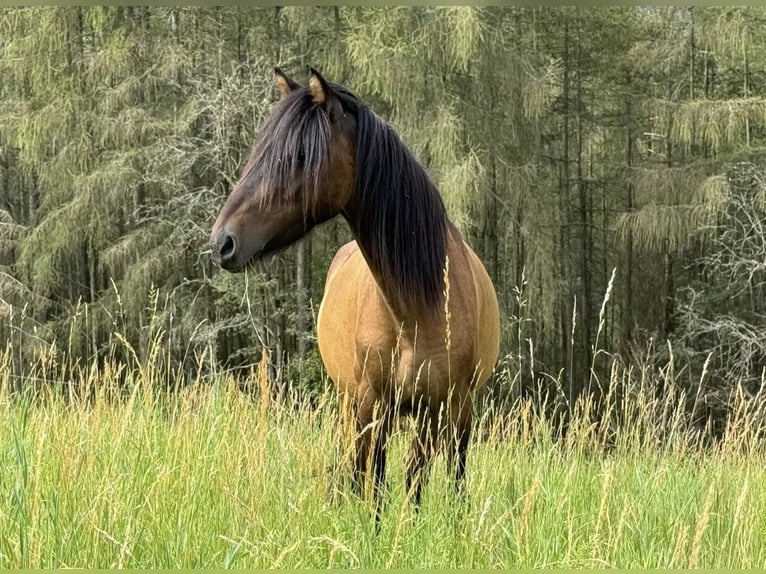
400,223
399,219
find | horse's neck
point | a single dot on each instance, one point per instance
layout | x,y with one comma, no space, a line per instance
422,216
402,311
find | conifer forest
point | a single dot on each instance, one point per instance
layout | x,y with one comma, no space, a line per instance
607,165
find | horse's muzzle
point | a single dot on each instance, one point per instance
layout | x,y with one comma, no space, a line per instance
224,250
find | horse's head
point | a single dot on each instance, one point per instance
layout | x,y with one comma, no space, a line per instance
300,173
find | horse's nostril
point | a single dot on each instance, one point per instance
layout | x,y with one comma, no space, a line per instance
228,247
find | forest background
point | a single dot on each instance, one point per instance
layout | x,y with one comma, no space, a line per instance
607,165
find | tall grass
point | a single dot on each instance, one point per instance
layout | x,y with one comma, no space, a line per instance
216,477
116,464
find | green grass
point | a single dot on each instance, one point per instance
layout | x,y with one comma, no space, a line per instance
216,479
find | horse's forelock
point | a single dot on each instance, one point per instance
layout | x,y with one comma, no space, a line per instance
296,129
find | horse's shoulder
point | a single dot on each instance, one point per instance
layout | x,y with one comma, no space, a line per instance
341,256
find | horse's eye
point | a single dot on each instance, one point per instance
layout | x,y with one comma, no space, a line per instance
301,157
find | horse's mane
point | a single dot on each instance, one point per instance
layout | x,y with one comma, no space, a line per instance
400,221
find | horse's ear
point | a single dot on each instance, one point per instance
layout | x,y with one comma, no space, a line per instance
285,84
319,89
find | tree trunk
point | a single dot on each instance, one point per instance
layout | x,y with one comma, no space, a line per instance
93,288
490,222
746,93
627,326
568,293
668,288
302,260
585,271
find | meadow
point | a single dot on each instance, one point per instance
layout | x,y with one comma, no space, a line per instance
218,476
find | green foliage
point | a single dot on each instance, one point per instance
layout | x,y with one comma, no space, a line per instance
565,141
308,374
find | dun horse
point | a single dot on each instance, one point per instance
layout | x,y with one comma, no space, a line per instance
409,319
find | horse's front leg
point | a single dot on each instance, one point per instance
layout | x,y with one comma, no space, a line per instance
460,417
374,423
421,453
341,468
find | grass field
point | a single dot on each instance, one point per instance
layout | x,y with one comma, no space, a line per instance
216,478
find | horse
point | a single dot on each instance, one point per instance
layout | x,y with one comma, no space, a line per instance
409,321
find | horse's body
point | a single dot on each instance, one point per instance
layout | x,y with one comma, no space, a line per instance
357,325
409,320
379,354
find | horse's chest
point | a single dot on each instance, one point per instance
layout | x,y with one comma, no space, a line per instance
414,358
406,369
